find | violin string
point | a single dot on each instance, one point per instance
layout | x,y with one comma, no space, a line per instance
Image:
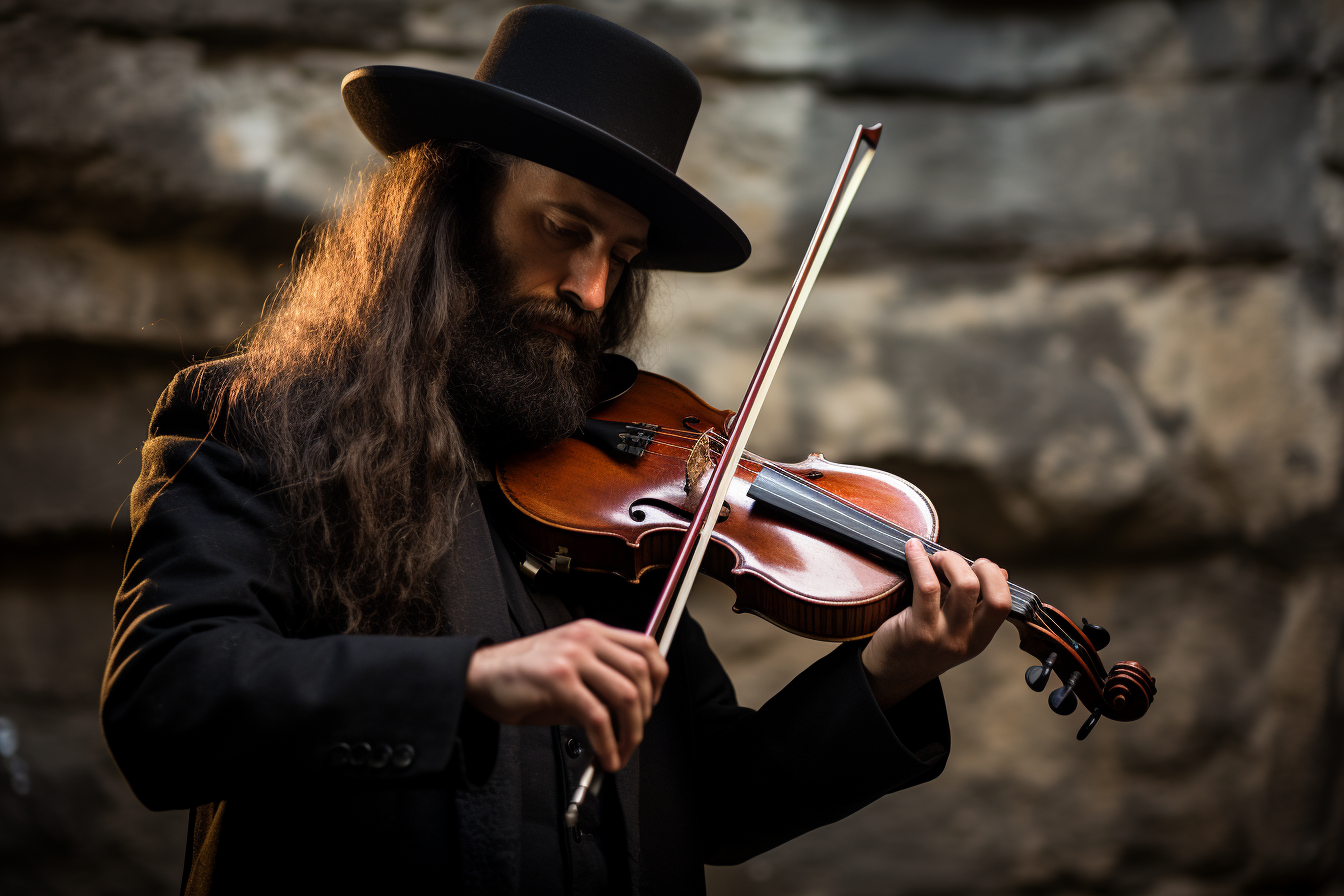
686,452
717,440
674,457
823,509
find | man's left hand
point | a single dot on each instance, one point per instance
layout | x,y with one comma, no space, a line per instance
950,620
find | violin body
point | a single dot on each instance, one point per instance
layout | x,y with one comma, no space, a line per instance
814,547
584,507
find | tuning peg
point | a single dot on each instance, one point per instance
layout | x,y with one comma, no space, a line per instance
1037,676
1091,723
1096,634
1062,700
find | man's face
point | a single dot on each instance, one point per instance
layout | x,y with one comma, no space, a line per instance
525,368
562,239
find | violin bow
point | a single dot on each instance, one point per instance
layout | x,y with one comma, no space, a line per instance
681,577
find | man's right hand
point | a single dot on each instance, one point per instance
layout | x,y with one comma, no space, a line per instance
583,673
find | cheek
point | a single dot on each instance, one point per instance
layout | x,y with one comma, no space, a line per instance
521,270
535,265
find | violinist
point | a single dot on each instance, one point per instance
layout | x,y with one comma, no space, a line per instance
323,644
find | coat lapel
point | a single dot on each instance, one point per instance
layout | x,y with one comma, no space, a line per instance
482,593
476,600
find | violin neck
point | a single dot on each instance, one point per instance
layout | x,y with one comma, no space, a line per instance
846,524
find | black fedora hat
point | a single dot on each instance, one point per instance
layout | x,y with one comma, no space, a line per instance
574,92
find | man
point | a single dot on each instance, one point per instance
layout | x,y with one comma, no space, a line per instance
323,645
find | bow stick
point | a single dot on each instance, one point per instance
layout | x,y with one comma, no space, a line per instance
681,576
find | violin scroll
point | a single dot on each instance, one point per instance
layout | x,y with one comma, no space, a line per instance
1128,691
1070,652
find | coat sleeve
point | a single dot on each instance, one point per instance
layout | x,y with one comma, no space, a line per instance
204,696
818,751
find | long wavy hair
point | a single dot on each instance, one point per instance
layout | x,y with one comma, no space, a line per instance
343,385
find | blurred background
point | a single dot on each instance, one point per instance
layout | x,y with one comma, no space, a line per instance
1089,299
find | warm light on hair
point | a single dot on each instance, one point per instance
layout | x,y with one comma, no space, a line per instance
341,387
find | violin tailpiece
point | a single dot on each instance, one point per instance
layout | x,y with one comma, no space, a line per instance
627,438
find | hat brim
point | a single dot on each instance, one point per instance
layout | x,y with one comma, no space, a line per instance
397,107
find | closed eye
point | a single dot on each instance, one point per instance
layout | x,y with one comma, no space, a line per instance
563,232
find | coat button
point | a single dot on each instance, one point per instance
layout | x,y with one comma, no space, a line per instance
360,753
378,758
338,756
403,756
574,748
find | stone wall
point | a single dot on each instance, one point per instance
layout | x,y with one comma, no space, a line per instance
1089,299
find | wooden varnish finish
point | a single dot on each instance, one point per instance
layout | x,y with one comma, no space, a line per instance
616,513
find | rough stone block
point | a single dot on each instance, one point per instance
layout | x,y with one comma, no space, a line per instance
1209,171
1024,805
56,620
1331,124
896,46
79,830
1146,407
72,420
938,48
1220,170
83,286
149,137
357,23
1328,47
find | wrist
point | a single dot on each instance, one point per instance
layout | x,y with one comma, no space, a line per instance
890,682
478,678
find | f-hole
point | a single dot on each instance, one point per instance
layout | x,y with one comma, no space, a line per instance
689,422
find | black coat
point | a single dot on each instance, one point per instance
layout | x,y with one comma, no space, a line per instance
211,702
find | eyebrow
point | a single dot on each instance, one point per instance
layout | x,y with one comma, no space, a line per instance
583,215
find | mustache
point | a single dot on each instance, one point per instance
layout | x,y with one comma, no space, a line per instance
539,312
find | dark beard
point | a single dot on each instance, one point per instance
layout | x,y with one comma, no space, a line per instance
513,385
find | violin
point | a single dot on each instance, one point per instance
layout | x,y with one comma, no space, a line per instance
658,478
816,547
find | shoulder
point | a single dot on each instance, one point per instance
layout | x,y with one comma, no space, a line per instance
194,449
191,423
195,404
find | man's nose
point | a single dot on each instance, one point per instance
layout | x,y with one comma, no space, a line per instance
587,281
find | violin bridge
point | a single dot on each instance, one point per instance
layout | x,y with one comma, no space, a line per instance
699,461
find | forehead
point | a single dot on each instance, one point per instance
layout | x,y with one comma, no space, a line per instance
529,182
